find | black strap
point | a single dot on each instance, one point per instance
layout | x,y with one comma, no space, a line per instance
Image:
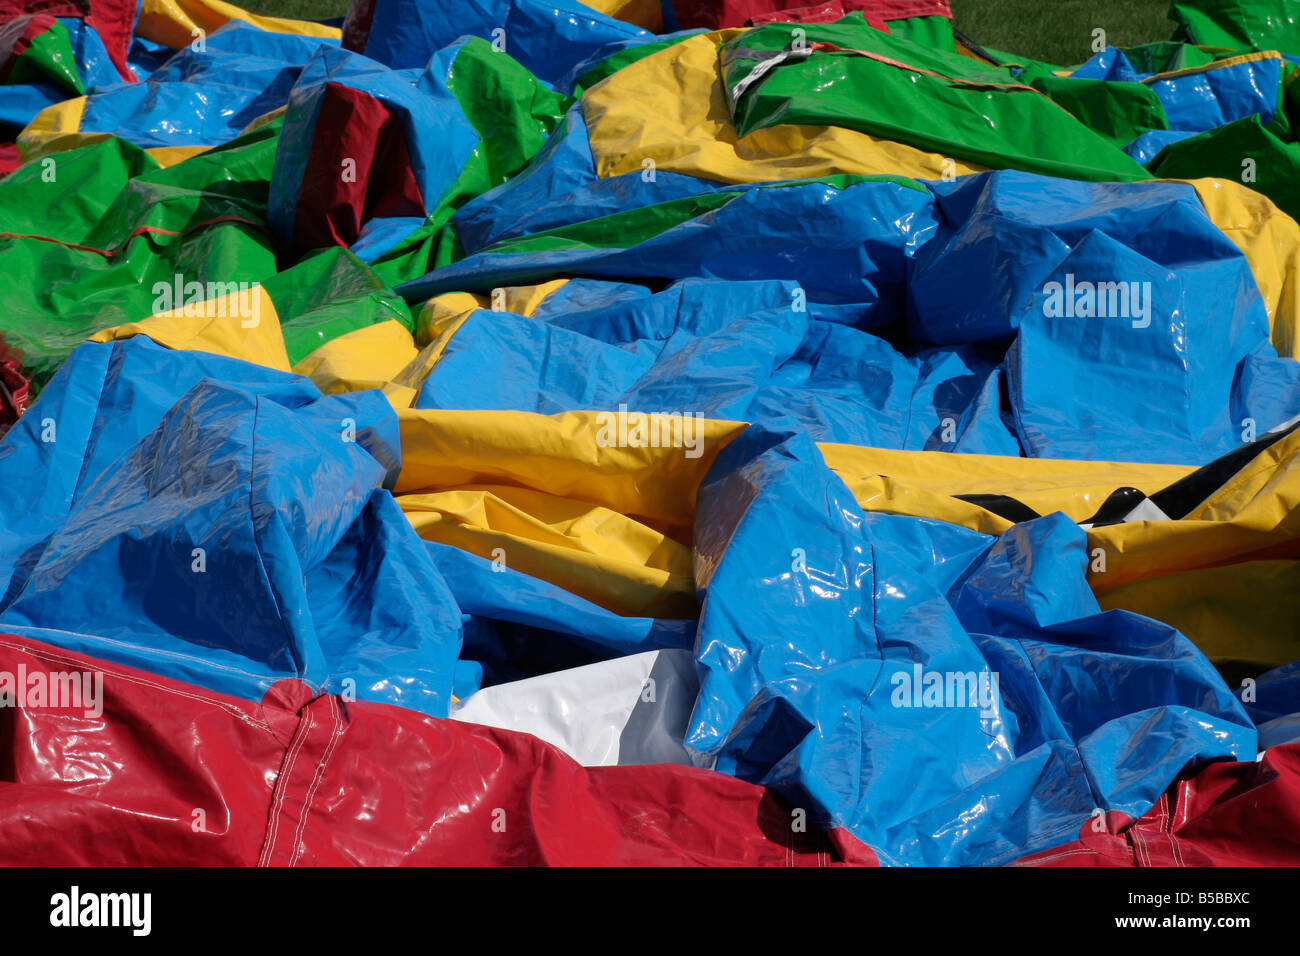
1120,502
1002,506
1185,494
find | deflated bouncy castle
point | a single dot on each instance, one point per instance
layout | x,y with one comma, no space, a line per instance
639,432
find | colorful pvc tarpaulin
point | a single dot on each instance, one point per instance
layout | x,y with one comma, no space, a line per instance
643,433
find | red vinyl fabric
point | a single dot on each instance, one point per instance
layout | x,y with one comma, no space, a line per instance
16,37
171,774
113,20
715,14
353,126
9,158
15,389
1227,814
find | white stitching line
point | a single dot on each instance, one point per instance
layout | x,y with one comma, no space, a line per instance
1173,840
49,655
1139,843
129,678
253,472
1056,856
282,784
1177,851
1165,821
335,733
1186,802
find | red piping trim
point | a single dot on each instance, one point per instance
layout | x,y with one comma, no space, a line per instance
139,230
832,48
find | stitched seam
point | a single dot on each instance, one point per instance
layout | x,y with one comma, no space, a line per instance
1139,844
290,644
282,786
229,708
1056,856
1174,845
335,733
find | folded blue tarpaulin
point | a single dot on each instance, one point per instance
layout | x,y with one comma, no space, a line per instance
549,37
222,523
830,639
1071,293
230,529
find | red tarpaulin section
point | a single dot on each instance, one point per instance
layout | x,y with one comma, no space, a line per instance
113,20
172,774
714,14
353,126
1228,814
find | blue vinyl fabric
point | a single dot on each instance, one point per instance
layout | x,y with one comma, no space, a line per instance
810,607
204,97
438,137
1196,100
824,629
729,350
310,570
1071,293
20,102
549,37
517,626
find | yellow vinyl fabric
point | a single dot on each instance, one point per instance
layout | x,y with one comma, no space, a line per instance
670,109
545,495
369,357
57,128
926,483
240,324
1252,516
1270,240
647,14
176,23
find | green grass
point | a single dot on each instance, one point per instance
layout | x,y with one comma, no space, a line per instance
1058,31
299,9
